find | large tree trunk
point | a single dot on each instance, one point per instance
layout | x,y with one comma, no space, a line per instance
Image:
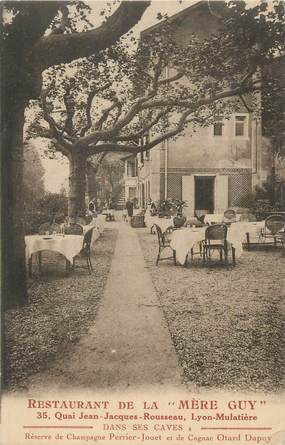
13,247
77,184
91,182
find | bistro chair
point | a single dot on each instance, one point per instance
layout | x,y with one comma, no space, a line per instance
85,253
215,239
73,229
273,224
164,243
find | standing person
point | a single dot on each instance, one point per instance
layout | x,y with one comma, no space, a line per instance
130,208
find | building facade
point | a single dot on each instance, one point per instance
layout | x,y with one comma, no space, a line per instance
213,168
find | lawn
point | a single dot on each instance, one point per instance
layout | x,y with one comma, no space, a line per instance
227,325
61,308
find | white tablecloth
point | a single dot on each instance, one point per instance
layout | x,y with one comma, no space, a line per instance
213,218
183,240
217,218
163,223
68,245
240,229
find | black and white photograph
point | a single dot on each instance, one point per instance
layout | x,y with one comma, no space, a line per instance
143,222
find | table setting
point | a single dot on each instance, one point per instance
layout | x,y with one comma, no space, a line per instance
185,239
67,245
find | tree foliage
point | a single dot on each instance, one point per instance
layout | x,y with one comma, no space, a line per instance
111,101
32,42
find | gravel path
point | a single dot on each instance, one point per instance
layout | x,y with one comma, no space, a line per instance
227,325
60,311
128,345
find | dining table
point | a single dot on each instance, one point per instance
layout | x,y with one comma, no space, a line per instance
187,238
218,218
68,245
163,223
213,218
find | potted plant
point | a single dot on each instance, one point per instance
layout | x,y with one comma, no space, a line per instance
172,207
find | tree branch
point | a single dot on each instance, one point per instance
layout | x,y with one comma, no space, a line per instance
105,115
145,129
64,48
65,146
70,110
89,101
245,104
121,123
168,80
33,20
113,147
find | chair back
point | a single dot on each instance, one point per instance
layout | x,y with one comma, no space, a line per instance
73,229
274,223
87,241
230,215
45,229
162,238
216,232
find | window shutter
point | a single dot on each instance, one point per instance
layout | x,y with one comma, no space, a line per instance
188,194
221,193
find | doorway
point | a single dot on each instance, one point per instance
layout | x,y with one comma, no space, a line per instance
204,195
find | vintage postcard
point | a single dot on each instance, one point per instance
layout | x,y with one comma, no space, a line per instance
143,222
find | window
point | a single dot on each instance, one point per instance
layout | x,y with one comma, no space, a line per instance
131,169
240,126
218,126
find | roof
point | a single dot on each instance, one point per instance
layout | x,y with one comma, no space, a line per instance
215,8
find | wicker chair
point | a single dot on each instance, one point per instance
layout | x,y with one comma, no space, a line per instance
85,253
73,229
273,225
164,243
215,239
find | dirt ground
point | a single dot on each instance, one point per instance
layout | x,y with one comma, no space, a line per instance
61,308
227,326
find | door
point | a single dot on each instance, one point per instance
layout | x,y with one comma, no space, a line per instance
204,195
